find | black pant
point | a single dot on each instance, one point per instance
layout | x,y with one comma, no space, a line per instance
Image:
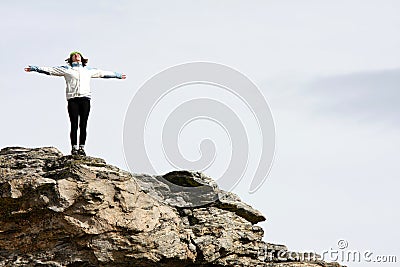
78,108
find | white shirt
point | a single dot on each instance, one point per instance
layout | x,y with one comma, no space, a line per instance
77,77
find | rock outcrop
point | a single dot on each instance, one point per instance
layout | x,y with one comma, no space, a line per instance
58,210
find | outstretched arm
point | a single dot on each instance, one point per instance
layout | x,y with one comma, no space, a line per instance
56,71
96,73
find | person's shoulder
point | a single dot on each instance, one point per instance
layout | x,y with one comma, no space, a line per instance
64,67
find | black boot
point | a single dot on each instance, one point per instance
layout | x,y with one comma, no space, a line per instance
81,152
74,152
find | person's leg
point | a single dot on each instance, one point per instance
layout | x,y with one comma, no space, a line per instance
73,112
84,109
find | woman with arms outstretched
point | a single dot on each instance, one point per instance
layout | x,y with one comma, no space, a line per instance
77,78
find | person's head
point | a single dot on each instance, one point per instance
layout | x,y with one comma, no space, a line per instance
76,57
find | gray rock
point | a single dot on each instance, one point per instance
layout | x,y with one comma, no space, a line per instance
60,210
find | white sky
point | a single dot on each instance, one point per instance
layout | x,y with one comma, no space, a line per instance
329,70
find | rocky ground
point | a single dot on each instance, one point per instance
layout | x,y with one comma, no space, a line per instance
58,210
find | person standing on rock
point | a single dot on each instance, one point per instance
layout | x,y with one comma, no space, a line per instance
77,77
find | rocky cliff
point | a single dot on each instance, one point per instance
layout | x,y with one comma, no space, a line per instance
58,210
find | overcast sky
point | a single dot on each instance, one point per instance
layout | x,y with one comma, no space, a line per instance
329,70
